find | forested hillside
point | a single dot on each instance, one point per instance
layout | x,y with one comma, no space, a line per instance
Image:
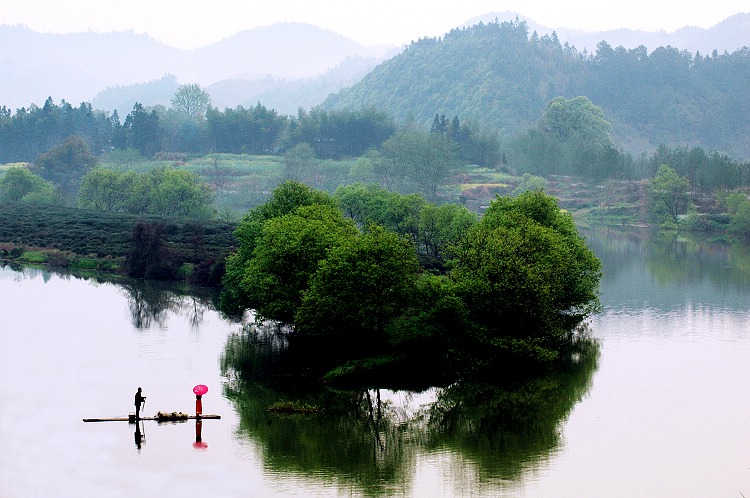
502,76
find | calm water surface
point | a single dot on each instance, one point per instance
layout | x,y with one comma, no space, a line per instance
665,410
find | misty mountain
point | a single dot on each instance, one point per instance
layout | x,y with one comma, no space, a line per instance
76,67
284,66
122,98
501,76
287,95
729,35
283,95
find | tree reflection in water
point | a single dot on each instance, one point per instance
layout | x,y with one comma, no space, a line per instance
372,438
150,301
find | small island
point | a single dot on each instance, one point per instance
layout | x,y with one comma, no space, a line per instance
365,300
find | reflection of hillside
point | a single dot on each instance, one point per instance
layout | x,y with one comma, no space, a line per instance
666,271
372,442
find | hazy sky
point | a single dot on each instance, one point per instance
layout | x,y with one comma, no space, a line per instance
191,23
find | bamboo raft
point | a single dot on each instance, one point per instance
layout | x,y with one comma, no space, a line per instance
161,417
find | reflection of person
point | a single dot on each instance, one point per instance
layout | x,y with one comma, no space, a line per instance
138,436
199,444
198,406
139,399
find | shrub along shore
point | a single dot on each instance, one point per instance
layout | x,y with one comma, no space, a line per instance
97,241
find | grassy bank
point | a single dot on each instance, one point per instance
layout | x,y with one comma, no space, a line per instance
80,239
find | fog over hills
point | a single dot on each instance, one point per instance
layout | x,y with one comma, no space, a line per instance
76,67
284,65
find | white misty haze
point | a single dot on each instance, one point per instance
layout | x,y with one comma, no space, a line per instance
193,23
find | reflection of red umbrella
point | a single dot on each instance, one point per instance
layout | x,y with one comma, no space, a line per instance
199,444
200,389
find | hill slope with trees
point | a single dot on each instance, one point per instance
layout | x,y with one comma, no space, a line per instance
502,76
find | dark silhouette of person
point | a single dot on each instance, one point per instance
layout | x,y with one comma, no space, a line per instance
138,436
139,399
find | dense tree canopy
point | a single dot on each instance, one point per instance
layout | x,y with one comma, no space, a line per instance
520,279
571,138
576,119
499,75
287,254
161,191
286,198
415,160
376,270
525,275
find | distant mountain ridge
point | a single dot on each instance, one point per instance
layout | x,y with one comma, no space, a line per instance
284,66
283,95
729,35
76,67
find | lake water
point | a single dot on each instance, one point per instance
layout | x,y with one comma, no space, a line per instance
663,410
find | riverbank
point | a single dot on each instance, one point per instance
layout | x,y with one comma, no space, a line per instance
96,241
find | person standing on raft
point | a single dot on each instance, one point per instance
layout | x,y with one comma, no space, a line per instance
139,399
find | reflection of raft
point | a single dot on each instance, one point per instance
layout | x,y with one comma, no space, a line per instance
171,416
160,417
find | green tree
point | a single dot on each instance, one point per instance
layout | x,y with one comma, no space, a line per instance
738,205
161,191
286,198
529,182
526,277
359,289
372,203
65,164
21,185
433,163
390,167
177,192
735,201
576,119
191,100
104,190
299,162
142,130
441,227
287,254
427,160
668,194
149,256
